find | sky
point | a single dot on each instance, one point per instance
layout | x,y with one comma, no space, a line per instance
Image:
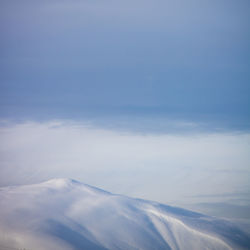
144,98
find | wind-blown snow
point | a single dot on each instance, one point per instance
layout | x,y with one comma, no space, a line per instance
65,214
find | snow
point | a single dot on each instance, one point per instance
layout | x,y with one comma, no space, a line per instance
65,214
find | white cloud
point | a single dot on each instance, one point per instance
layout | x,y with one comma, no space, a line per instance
166,167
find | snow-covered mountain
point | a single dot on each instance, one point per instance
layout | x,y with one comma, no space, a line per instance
64,214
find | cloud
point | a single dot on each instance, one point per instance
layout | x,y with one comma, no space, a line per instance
164,167
68,58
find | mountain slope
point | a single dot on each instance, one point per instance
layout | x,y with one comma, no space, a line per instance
66,214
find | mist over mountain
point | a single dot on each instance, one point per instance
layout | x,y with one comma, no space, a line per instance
66,214
144,98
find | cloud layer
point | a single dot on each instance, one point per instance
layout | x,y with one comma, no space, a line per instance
166,167
70,59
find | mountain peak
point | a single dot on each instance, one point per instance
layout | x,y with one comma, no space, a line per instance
61,182
66,214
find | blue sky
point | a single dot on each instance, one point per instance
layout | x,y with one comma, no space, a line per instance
162,59
125,95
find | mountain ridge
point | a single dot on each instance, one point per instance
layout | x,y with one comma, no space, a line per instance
66,214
